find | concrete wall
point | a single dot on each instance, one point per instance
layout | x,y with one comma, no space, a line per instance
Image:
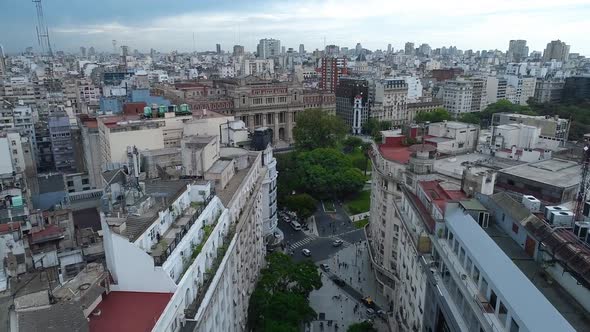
577,291
142,139
144,276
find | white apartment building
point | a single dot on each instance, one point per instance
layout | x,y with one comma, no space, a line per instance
390,98
524,88
258,67
457,97
202,250
414,88
448,274
268,48
495,89
116,134
451,137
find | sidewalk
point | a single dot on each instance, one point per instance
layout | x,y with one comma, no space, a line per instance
338,305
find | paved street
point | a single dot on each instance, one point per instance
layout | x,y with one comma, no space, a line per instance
349,262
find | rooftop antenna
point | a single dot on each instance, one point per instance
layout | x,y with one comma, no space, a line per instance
42,31
194,43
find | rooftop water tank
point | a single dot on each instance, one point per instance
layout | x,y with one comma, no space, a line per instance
161,111
184,109
147,112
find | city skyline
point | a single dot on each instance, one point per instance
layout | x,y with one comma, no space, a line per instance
171,26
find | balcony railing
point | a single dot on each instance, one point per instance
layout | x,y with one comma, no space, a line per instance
163,250
192,309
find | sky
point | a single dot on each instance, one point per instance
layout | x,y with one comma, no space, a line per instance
167,25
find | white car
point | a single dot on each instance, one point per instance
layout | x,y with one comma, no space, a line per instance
306,252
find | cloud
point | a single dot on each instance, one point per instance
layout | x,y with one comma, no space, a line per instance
465,23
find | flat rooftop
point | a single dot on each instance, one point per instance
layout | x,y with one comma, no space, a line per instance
129,311
554,172
555,294
454,165
527,302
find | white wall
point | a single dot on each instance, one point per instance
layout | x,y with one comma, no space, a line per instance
5,157
579,292
133,269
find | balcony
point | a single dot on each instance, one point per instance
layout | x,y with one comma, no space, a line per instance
176,232
192,309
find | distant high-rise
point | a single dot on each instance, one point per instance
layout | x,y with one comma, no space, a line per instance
268,48
218,48
425,50
332,69
238,50
388,48
83,51
517,50
301,49
2,61
556,50
124,54
283,49
358,49
91,51
409,48
114,46
332,50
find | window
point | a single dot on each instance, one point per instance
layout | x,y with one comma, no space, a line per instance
483,288
85,181
70,183
256,101
513,326
502,313
270,119
475,274
493,299
515,228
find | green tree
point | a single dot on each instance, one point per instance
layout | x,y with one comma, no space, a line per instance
438,115
303,204
325,173
470,118
280,299
351,143
366,149
361,327
373,127
316,128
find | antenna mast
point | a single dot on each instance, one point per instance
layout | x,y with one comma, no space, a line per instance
42,30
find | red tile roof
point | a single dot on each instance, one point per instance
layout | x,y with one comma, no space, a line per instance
439,195
129,311
394,150
50,232
9,227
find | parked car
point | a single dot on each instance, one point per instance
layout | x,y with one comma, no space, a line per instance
370,312
325,267
337,243
339,282
306,252
295,225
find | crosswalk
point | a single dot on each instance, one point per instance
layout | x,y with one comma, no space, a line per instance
308,239
302,243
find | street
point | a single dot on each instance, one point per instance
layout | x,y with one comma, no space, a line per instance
337,306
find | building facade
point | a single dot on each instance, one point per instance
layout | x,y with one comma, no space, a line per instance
457,97
352,102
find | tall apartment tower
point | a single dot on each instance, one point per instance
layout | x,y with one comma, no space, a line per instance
238,50
457,97
332,70
556,50
517,50
268,48
218,48
409,48
301,49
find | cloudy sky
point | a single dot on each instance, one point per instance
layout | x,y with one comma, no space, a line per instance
170,24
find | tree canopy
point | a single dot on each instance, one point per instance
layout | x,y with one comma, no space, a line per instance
373,127
325,173
280,300
302,204
316,128
438,115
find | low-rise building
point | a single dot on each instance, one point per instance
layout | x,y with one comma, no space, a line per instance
452,137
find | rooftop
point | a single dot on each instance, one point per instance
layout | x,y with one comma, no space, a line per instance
442,192
513,287
394,150
129,311
554,293
554,172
